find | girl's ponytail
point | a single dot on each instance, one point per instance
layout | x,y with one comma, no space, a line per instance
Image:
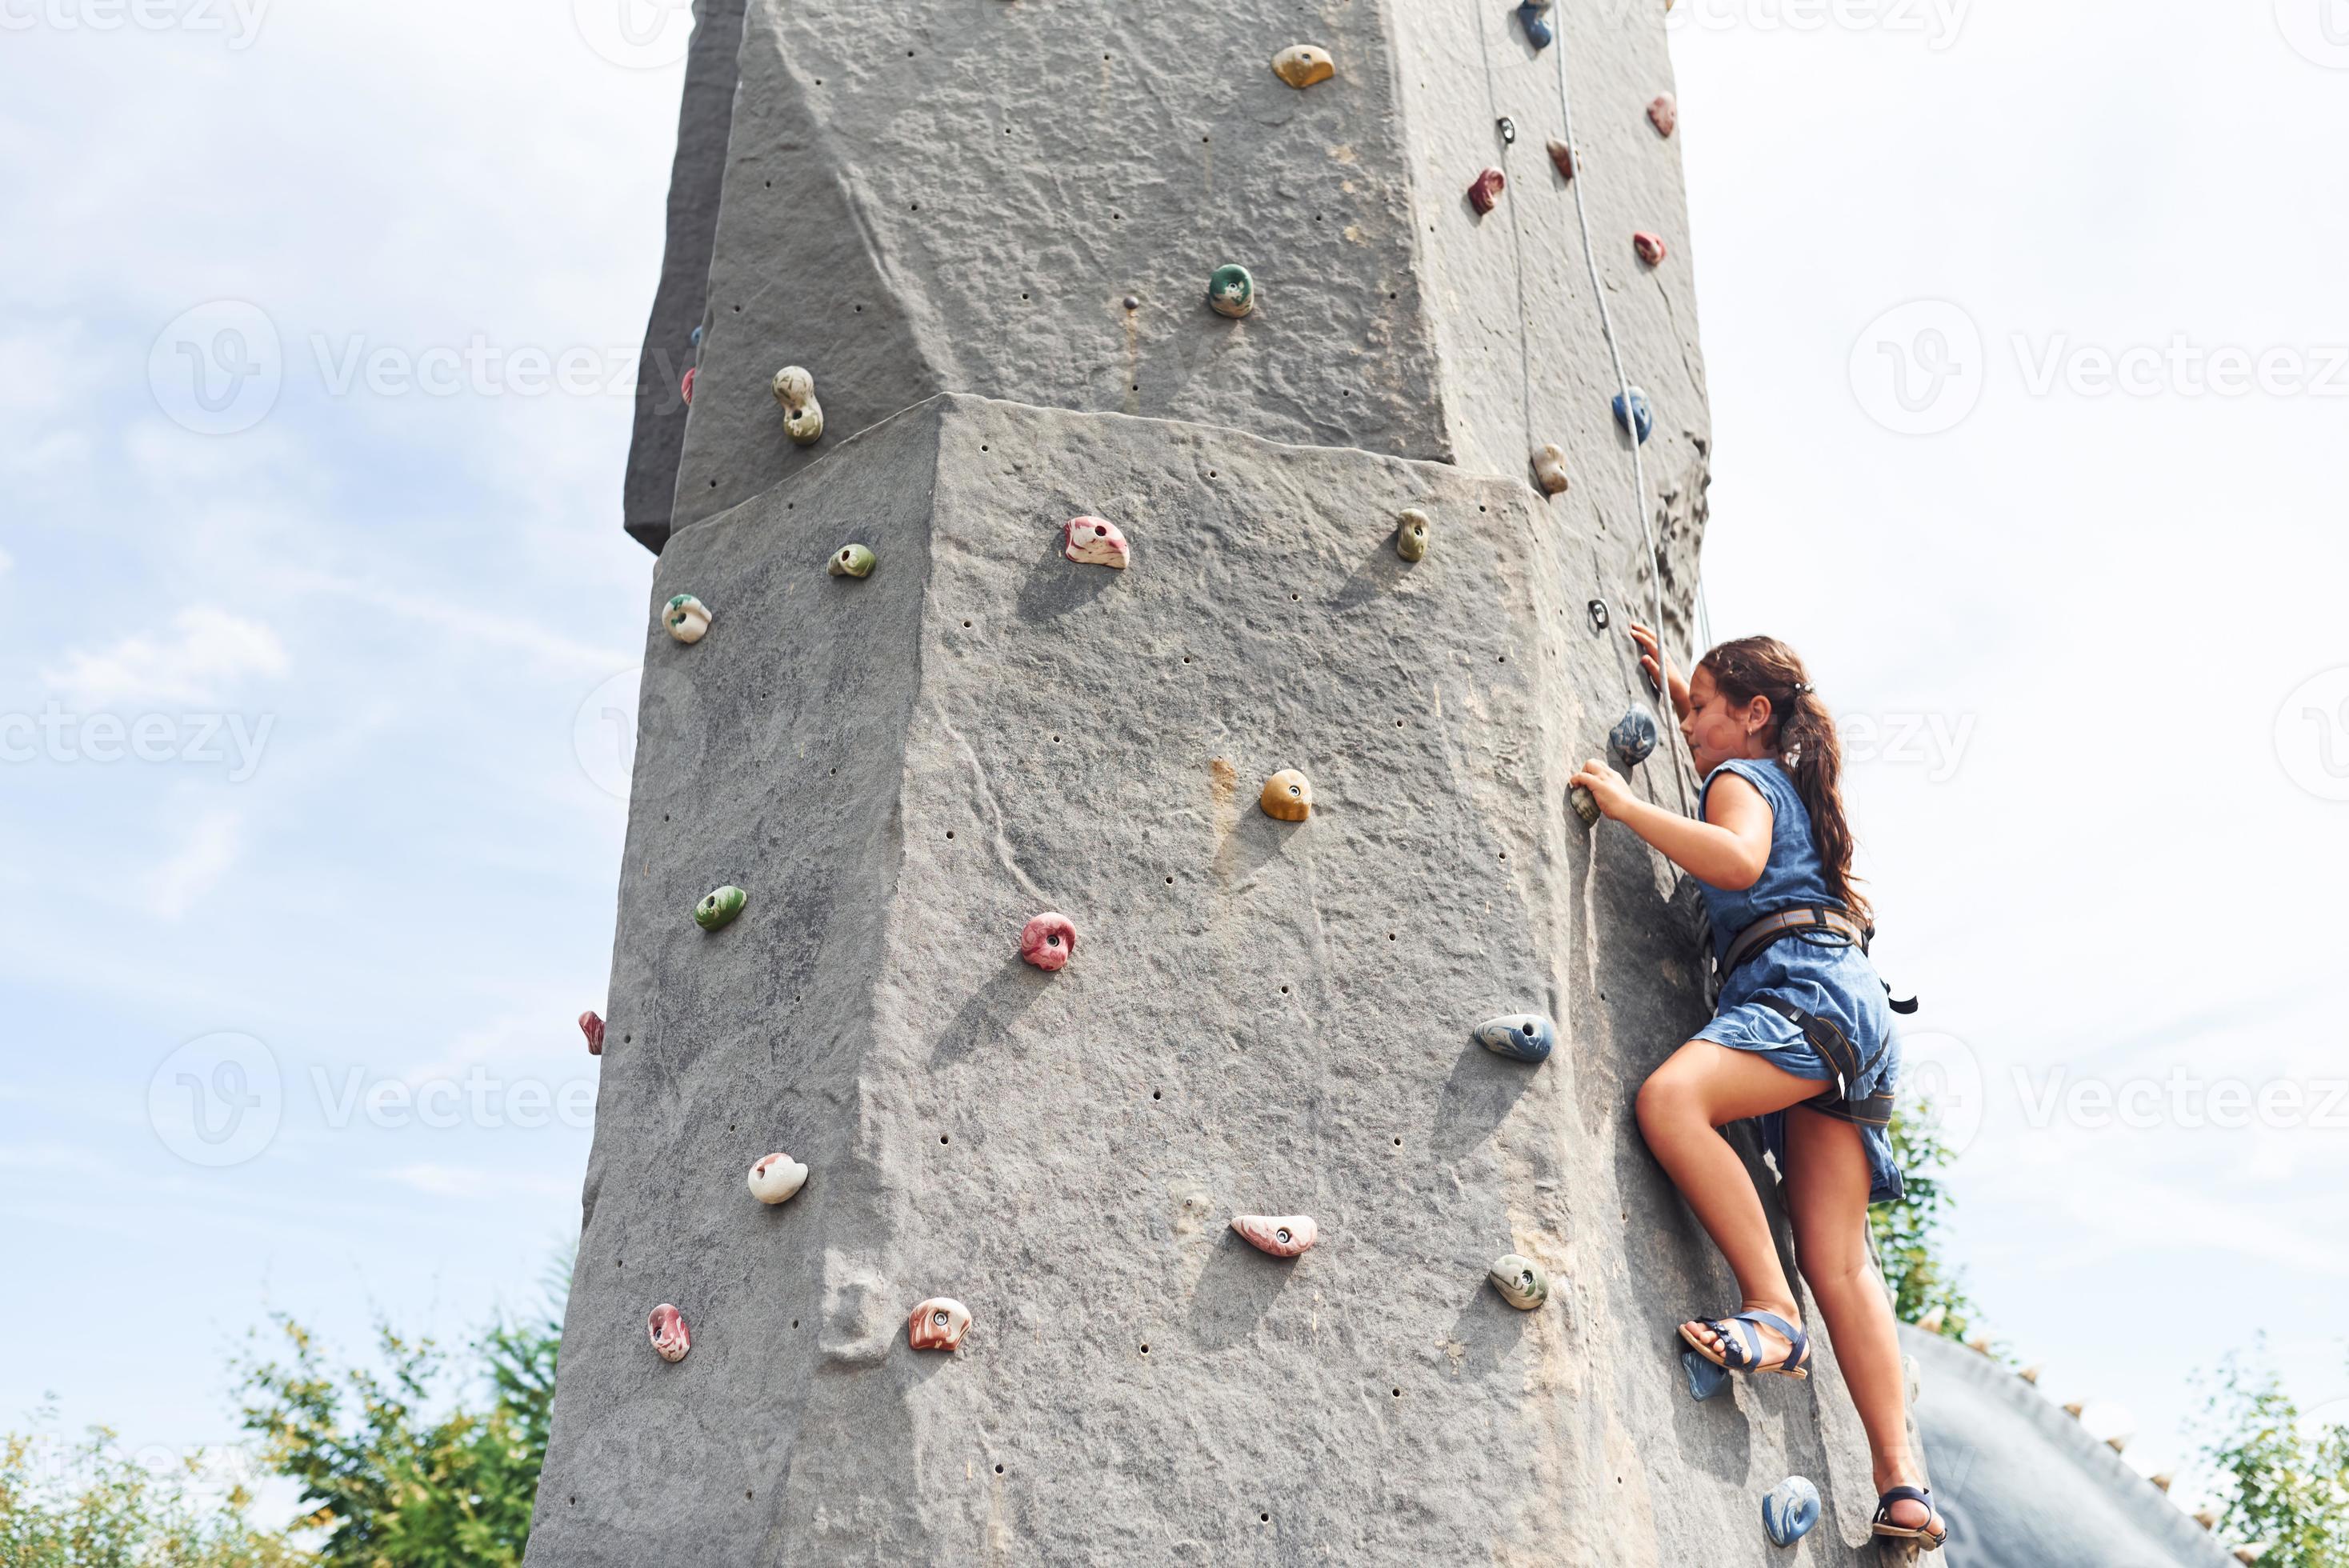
1808,745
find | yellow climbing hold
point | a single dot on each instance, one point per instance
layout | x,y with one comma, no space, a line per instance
1302,64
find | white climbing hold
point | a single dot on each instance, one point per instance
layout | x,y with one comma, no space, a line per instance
687,618
1549,470
777,1179
1090,542
794,389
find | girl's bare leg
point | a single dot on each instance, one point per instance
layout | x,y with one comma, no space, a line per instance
1827,1183
1700,1089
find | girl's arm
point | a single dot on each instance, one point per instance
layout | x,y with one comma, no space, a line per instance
1730,849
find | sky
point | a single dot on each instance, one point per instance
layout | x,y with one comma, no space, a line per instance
2029,365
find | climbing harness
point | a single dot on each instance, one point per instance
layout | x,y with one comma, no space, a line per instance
1823,928
1820,927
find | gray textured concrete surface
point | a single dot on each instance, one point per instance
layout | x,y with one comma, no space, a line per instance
939,207
2025,1486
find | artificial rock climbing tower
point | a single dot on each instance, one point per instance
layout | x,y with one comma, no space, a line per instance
1078,560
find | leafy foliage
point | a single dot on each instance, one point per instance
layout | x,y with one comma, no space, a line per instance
392,1485
1909,1234
2285,1477
88,1505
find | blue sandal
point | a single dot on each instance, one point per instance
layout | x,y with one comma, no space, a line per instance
1883,1524
1740,1344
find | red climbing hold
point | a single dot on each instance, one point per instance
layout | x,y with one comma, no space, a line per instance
686,387
1649,246
1048,941
1561,157
1664,113
1484,194
592,1027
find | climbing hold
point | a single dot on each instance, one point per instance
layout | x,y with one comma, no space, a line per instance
687,618
1520,1280
2253,1552
1585,804
1484,190
1288,795
1230,290
1090,542
2075,1409
720,908
2162,1479
1649,246
939,1324
1664,113
1633,738
2207,1517
794,389
850,561
1704,1377
2030,1374
1600,617
1549,470
2119,1442
1132,302
1508,130
1048,942
684,388
1562,156
671,1338
1534,15
592,1027
1979,1342
1636,416
1523,1036
1930,1322
1302,64
1411,537
1790,1511
777,1179
697,337
1284,1236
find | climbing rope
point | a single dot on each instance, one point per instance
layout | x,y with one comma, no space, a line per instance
1623,390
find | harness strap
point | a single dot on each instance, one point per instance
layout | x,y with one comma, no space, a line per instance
1843,1057
1827,927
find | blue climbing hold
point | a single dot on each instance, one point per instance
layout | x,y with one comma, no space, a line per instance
697,337
1704,1378
1790,1511
1534,15
1637,418
1633,738
1521,1037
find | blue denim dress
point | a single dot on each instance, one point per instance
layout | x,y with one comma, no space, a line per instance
1835,983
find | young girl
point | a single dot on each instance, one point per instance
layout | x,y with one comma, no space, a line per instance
1802,1038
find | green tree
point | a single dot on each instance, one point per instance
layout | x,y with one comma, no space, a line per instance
86,1505
1909,1237
391,1484
2284,1478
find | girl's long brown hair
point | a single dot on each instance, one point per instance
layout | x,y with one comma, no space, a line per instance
1806,742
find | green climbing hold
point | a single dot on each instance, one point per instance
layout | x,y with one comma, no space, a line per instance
720,908
1231,289
850,561
1521,1282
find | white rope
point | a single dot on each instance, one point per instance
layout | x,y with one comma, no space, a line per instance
1666,719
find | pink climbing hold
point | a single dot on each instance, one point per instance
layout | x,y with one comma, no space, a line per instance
1649,246
1048,942
1664,113
686,387
671,1338
1484,192
592,1027
1090,542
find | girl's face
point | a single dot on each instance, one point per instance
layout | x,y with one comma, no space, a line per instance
1716,731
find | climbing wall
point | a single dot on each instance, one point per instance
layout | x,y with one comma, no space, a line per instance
986,228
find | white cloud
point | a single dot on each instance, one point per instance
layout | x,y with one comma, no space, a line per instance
208,649
206,857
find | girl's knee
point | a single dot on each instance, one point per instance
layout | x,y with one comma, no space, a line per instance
1671,1096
